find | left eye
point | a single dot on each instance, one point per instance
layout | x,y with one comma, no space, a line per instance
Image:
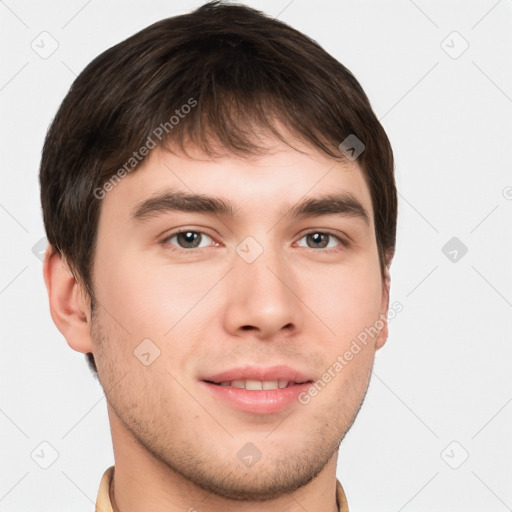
321,240
189,239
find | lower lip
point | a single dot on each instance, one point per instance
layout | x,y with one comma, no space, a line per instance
258,402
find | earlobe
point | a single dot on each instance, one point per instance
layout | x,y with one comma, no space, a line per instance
68,306
383,335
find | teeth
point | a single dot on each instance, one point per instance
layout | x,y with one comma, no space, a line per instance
257,385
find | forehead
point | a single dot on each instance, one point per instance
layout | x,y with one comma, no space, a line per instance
266,184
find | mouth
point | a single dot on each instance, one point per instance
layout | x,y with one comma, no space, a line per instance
257,385
258,390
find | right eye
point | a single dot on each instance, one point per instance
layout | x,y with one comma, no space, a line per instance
187,239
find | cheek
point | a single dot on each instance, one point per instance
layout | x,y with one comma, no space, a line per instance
149,299
347,299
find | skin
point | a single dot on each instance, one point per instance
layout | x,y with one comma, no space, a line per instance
175,446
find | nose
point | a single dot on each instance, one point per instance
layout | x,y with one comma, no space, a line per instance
263,298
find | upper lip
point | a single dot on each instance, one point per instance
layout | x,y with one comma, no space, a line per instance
260,373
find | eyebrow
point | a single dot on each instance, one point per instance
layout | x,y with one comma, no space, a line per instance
176,201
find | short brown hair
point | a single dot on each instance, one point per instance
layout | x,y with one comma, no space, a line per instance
244,70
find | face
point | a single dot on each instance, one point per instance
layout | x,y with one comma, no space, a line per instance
244,285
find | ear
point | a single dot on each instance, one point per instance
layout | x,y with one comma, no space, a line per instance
383,335
69,305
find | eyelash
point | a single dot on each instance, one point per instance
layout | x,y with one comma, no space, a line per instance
343,244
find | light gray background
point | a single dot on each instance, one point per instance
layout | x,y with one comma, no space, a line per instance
441,389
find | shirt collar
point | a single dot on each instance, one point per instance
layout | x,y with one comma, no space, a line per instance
103,503
103,500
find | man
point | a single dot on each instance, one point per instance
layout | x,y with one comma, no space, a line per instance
220,205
